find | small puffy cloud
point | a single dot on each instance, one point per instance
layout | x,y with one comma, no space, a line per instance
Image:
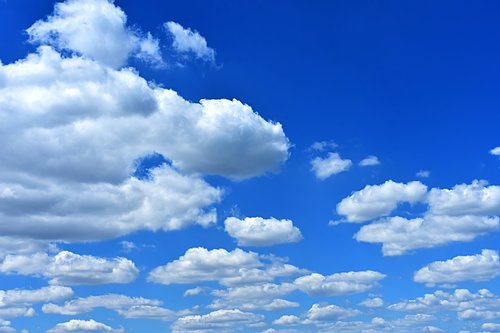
186,40
399,235
125,306
323,145
339,283
194,291
375,302
287,320
379,200
330,165
480,267
430,328
95,29
423,173
329,312
369,161
495,151
257,231
83,326
68,268
466,199
491,327
223,321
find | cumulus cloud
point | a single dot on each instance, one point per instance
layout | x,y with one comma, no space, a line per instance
96,29
495,151
68,268
83,326
399,235
465,199
491,327
423,173
125,306
233,320
379,200
323,145
235,267
374,302
339,283
257,231
329,312
330,165
480,267
369,161
85,125
287,320
186,40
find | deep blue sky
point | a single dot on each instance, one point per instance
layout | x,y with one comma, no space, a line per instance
414,83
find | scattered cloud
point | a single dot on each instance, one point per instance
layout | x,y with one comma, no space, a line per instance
379,200
374,302
323,145
423,173
218,321
68,268
339,283
369,161
480,267
186,40
83,326
287,320
330,165
495,151
258,231
329,312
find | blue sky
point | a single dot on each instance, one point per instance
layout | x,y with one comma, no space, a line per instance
265,166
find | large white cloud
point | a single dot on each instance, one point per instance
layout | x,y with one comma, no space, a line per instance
186,40
330,165
339,283
68,268
83,326
96,29
399,235
125,306
258,231
379,200
480,267
233,320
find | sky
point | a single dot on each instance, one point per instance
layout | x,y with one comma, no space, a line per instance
249,166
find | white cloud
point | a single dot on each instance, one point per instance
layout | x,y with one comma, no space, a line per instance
330,165
379,200
95,29
323,145
480,267
464,199
233,320
491,327
329,312
369,161
375,302
125,306
287,320
495,151
257,231
83,326
423,173
399,235
339,283
85,125
186,40
68,268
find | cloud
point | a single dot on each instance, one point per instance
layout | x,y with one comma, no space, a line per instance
125,306
375,302
257,231
67,268
379,200
83,326
186,40
480,267
96,29
495,151
233,320
491,327
85,126
423,173
329,312
399,235
330,165
369,161
287,320
339,283
465,199
323,145
235,267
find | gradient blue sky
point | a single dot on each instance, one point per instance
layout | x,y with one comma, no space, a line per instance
151,147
